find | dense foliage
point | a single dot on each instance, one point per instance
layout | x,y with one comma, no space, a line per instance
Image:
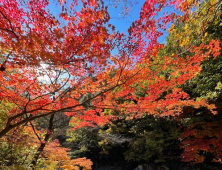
75,90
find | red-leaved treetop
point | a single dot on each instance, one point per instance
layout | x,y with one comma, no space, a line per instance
64,63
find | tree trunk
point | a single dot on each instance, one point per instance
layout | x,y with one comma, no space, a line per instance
5,131
42,146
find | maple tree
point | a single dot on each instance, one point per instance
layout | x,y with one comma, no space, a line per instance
202,141
66,64
75,50
93,52
185,61
18,149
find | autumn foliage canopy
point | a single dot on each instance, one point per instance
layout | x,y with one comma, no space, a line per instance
78,64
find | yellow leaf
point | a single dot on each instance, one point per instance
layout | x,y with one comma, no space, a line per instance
205,34
191,13
221,24
197,4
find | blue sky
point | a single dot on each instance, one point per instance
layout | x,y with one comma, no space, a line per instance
121,23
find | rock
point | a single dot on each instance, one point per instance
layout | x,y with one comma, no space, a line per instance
147,167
